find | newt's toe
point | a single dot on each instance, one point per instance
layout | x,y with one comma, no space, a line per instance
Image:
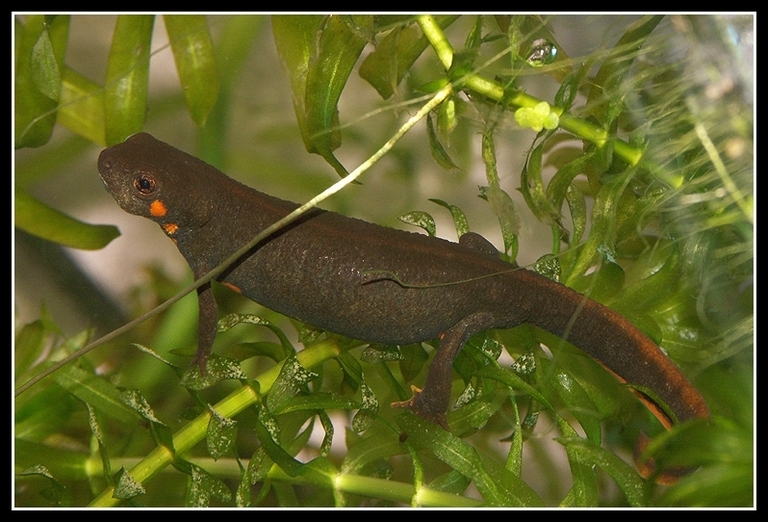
409,404
417,407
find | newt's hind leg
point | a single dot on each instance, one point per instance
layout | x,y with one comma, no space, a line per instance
431,403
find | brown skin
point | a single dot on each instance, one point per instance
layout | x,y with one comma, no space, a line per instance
370,282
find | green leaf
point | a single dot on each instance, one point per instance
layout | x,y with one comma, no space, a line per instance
96,431
387,65
97,392
40,220
475,35
221,434
509,220
414,358
602,234
40,45
352,370
125,90
29,345
650,279
339,44
292,378
44,413
281,457
469,418
532,188
157,356
56,493
126,486
327,444
583,492
459,218
604,283
136,401
500,202
614,71
498,486
365,418
82,107
195,62
625,475
569,88
549,266
563,179
724,485
45,70
577,205
60,462
219,369
319,53
436,148
203,487
394,55
295,40
584,386
451,482
420,219
561,388
232,320
319,401
514,382
369,451
381,352
243,351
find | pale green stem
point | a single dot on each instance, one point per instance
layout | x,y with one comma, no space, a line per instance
722,171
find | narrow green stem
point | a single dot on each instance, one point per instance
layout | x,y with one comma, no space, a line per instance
743,202
555,240
437,39
387,490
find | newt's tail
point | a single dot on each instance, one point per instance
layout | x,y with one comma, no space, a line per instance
634,358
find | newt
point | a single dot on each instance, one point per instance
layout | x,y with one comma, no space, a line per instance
370,282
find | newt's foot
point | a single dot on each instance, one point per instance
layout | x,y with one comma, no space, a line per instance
201,361
418,408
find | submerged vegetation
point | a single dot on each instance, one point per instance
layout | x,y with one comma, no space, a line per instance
630,154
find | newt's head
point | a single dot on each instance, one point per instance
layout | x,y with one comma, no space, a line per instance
150,178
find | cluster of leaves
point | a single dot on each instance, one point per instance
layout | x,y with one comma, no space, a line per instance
618,233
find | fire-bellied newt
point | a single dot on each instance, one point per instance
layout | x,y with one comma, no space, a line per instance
369,282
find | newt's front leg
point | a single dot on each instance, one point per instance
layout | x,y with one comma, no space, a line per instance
207,325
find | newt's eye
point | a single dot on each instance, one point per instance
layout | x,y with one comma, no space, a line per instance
145,184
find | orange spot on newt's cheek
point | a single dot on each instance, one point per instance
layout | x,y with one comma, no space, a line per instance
157,209
233,287
170,228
